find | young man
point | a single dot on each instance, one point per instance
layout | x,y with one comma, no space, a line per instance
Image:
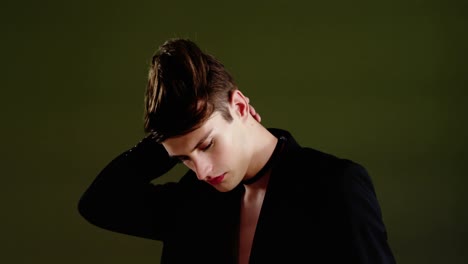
251,195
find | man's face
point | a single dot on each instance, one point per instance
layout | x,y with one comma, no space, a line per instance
217,151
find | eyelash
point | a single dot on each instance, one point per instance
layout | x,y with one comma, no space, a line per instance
209,146
181,160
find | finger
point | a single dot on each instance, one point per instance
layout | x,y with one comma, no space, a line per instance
252,111
257,117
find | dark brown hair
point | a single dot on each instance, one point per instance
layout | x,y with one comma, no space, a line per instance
185,86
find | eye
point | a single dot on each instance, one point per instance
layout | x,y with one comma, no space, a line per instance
208,146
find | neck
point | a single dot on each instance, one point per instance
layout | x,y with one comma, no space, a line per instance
264,144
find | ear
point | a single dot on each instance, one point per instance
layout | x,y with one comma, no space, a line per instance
239,105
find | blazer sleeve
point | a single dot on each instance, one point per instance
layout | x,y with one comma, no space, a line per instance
123,199
368,242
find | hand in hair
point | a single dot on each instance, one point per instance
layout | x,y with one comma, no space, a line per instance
253,112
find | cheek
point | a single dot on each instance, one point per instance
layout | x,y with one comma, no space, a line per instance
220,154
224,153
228,152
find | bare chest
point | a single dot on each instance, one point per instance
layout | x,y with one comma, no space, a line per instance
249,214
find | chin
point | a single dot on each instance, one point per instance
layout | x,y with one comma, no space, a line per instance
223,189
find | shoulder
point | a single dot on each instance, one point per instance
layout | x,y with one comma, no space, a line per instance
336,185
325,171
338,194
317,161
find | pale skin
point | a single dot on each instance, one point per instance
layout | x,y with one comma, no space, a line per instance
250,208
223,154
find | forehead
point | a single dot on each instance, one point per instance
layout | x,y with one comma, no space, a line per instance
187,141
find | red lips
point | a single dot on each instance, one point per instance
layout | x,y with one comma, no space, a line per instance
217,179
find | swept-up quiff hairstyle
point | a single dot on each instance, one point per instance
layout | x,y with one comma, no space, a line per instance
185,86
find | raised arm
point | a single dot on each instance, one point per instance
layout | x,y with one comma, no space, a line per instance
123,199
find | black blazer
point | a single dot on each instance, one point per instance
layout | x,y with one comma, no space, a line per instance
317,209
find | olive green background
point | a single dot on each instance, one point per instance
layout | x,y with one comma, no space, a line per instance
379,82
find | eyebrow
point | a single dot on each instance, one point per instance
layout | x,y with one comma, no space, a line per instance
197,145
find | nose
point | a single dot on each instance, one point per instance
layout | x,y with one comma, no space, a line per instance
202,168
